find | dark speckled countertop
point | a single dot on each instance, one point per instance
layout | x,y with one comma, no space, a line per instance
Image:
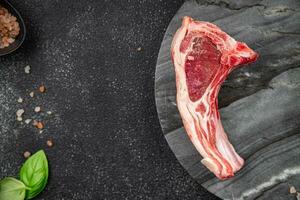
108,143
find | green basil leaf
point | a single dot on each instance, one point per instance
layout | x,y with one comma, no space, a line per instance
34,174
12,189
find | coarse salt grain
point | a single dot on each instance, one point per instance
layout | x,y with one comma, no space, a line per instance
27,69
298,196
49,112
27,121
293,190
19,118
31,94
37,109
20,100
20,112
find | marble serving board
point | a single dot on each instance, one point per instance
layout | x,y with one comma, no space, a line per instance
259,103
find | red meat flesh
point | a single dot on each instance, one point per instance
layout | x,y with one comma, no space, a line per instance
203,56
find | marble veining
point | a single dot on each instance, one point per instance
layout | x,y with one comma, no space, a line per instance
259,103
273,180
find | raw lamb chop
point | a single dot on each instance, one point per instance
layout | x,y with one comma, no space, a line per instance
203,56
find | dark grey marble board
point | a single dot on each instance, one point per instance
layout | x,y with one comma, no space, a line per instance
260,103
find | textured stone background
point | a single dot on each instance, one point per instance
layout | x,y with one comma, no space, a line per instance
108,141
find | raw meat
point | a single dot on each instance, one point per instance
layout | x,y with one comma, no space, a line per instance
203,56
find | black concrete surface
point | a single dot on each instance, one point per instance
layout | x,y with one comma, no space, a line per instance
108,143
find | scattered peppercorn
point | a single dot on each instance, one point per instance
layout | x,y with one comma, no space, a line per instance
49,143
26,154
42,89
38,124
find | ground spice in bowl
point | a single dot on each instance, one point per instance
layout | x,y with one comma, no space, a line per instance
9,28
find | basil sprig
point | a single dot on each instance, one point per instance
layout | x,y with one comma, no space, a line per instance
11,188
33,175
